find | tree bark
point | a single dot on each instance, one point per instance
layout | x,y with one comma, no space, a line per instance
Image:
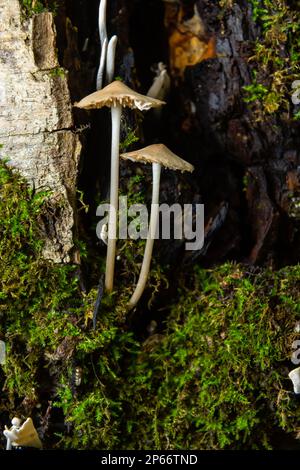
36,123
252,164
247,165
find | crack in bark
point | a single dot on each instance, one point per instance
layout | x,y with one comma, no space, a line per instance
63,129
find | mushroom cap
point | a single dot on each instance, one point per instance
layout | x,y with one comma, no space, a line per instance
16,422
117,93
159,153
27,436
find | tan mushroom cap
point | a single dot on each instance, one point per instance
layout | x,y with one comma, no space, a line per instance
27,436
117,93
159,153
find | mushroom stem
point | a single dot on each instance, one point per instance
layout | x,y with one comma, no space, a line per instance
114,195
102,21
100,73
140,287
104,42
8,444
111,55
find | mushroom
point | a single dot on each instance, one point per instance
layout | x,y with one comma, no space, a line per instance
116,95
159,155
294,375
22,436
161,85
108,49
10,433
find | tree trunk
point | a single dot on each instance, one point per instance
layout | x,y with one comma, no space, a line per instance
246,158
36,120
247,161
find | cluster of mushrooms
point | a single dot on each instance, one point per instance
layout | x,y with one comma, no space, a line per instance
116,95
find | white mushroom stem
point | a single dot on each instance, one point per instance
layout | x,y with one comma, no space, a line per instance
110,61
102,21
104,42
140,287
8,444
100,73
114,195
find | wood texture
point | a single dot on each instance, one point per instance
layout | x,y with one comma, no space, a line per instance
36,119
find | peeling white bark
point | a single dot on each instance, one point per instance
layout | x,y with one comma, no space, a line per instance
36,119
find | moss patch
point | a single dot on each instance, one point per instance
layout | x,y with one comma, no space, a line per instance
217,378
276,55
32,7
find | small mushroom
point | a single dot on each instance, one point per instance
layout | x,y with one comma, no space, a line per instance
161,85
22,436
159,155
294,375
10,433
116,95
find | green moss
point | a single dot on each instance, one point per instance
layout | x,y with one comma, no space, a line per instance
43,314
130,139
57,72
33,7
276,52
255,91
218,377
